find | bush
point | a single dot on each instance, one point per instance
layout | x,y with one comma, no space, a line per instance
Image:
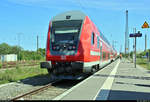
0,65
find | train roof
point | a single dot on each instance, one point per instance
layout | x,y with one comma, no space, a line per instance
71,15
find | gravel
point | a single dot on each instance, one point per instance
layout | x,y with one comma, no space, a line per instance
15,89
10,91
48,94
55,90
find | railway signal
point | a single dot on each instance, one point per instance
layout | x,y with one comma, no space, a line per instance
136,35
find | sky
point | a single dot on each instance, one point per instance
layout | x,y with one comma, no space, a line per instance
21,21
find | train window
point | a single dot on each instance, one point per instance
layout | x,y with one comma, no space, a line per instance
92,39
66,31
97,42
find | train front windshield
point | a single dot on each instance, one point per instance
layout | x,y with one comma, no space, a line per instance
65,31
65,35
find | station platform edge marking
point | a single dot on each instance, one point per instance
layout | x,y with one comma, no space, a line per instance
103,92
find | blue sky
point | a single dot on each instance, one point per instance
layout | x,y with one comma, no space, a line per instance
22,20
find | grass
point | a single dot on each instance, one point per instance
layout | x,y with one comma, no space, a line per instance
13,75
143,62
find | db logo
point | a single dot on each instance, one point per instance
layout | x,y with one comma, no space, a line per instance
63,57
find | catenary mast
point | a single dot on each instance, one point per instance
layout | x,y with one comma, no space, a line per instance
126,35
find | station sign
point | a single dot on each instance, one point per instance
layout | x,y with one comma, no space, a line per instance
132,35
136,34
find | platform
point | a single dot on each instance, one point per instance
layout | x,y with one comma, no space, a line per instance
117,81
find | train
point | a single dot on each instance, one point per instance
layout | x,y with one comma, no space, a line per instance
75,47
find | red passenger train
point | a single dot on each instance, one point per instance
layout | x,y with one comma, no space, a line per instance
75,47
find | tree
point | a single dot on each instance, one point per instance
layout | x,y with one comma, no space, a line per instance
41,51
4,49
22,54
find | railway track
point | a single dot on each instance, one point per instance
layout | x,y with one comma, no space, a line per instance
47,92
6,65
12,66
21,97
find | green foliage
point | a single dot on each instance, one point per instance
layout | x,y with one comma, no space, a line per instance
7,49
17,66
148,64
31,55
22,54
41,51
0,65
4,48
125,55
143,62
139,55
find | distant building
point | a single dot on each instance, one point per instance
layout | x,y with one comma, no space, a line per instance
8,57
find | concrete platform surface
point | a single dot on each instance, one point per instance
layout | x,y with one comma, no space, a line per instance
117,81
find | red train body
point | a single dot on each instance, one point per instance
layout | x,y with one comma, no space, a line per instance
75,46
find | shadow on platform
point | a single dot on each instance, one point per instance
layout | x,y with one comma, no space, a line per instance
121,76
143,85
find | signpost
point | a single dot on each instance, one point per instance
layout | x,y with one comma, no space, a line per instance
136,35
